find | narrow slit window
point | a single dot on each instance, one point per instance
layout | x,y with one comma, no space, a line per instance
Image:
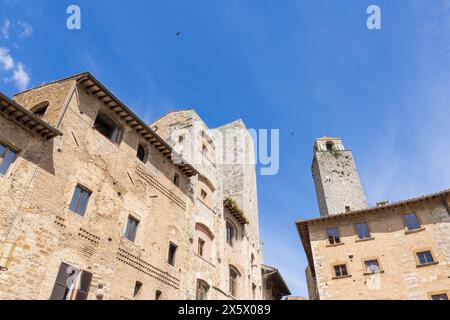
172,254
201,247
233,282
176,179
158,295
137,289
141,154
80,200
7,157
132,225
231,233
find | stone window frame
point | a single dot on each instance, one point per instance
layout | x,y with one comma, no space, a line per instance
39,107
90,192
371,258
369,228
119,127
338,263
18,153
339,229
433,255
405,226
435,293
137,218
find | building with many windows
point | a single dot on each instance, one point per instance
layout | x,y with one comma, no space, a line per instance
391,251
96,204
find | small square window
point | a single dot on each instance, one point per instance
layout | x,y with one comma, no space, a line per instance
7,157
132,225
172,253
203,194
176,179
412,223
442,296
362,231
425,257
333,236
80,200
372,266
340,270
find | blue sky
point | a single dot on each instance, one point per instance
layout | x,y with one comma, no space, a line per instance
309,68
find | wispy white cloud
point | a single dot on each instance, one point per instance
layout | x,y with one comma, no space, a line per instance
4,29
10,71
21,77
6,61
19,28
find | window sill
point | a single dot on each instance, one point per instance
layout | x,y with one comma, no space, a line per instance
205,260
372,273
342,277
427,264
364,240
414,231
335,245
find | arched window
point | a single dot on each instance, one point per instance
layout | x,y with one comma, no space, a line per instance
234,281
330,146
231,233
141,153
40,109
204,239
202,290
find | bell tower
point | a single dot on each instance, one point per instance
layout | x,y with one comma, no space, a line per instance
338,186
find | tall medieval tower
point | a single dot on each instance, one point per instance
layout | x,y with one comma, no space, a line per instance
336,178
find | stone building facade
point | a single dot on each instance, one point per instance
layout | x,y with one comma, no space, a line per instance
391,251
95,204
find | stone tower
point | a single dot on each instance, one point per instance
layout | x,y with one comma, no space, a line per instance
336,178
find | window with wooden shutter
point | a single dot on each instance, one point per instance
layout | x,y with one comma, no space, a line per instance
59,289
85,284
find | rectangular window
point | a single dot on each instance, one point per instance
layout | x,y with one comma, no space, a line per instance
108,128
7,157
442,296
158,295
201,247
71,283
132,225
372,266
79,200
172,252
176,179
333,236
411,221
425,257
363,231
340,270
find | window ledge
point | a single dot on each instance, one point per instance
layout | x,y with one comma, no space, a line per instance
414,231
335,245
342,277
207,261
372,273
427,264
364,240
